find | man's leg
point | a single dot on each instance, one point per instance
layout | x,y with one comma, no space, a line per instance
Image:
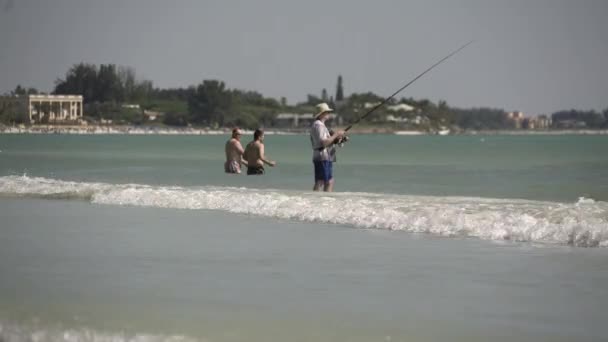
318,185
329,186
319,180
329,176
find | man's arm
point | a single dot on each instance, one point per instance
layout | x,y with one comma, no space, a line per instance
329,141
239,147
245,154
263,158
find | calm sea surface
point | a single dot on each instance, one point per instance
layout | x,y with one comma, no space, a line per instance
555,168
463,238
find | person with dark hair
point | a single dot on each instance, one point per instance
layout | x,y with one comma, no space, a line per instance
254,154
234,153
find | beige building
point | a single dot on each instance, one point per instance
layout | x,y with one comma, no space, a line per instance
44,108
543,121
517,118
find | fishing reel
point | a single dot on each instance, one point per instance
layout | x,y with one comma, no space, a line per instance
340,141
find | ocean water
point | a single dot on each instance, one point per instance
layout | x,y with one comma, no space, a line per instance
144,238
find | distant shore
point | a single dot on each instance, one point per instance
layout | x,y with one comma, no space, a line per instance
117,129
153,130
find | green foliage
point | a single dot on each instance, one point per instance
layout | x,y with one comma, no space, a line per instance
80,79
19,90
175,119
480,118
106,87
104,84
9,111
10,117
577,118
359,99
252,98
210,103
311,100
166,106
358,104
115,112
182,94
244,120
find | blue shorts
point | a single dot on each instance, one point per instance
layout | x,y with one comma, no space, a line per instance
323,170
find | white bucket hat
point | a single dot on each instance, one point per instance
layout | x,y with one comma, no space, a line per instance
323,108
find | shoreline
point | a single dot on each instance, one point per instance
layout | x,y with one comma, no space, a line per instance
138,130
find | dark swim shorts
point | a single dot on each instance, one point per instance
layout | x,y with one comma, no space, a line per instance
255,170
323,170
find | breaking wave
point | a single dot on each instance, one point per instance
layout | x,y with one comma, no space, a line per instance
583,223
11,332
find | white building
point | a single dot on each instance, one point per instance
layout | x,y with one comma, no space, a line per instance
44,108
400,107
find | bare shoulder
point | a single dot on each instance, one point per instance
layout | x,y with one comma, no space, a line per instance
233,142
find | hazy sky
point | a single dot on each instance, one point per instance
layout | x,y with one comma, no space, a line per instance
537,56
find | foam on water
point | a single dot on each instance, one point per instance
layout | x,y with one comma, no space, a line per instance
584,223
12,332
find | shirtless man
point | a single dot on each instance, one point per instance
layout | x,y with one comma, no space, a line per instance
234,153
254,154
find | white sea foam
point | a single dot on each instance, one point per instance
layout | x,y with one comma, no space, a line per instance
583,223
11,332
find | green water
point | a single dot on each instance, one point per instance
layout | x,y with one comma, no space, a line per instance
556,168
73,271
130,264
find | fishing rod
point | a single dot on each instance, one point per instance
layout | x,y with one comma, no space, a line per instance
405,86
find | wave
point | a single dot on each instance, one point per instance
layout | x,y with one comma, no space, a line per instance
12,332
583,223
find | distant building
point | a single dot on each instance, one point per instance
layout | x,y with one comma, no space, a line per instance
392,118
401,107
515,115
517,118
417,120
152,115
44,108
528,123
570,124
543,122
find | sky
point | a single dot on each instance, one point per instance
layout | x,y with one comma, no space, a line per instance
537,56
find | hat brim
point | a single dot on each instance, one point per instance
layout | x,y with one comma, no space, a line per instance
323,112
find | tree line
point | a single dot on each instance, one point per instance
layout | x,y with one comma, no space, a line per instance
105,88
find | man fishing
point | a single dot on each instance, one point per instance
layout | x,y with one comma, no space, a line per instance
322,142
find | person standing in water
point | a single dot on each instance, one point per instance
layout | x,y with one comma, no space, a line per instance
234,153
322,143
254,154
